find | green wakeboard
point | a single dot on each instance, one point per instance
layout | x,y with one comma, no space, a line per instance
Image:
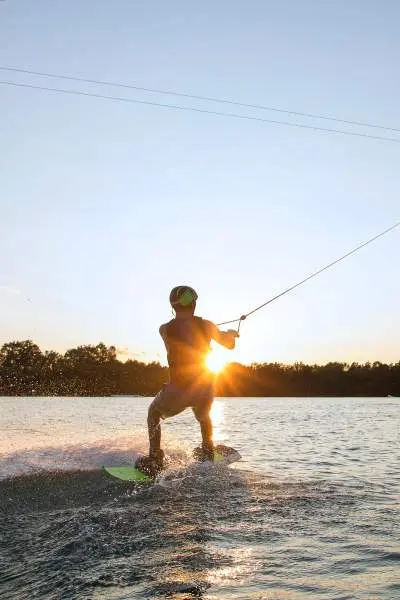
131,473
128,473
218,457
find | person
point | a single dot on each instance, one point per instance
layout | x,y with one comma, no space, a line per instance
187,341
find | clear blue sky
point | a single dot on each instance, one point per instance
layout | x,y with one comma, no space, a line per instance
105,206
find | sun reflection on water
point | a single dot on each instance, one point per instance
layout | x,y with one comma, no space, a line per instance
218,418
235,573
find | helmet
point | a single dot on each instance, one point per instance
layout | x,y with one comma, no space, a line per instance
182,296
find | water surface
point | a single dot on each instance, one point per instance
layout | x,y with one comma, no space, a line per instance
312,510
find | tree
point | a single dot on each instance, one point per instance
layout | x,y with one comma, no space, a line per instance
95,370
21,368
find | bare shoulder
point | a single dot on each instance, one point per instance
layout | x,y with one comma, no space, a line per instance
163,329
211,327
208,323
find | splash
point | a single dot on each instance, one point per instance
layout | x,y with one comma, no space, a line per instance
82,457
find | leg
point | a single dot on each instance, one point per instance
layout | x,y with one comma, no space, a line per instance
206,452
202,413
169,402
153,424
153,463
206,432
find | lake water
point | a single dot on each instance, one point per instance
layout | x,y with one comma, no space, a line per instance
311,511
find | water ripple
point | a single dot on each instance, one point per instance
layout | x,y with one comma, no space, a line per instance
312,510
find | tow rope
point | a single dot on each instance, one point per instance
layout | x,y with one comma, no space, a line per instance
299,283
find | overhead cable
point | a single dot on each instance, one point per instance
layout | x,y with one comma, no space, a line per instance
296,285
198,97
200,110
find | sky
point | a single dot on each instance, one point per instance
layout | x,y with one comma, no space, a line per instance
106,205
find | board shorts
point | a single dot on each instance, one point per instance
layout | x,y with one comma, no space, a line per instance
172,400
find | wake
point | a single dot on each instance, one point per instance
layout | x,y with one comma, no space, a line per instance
82,457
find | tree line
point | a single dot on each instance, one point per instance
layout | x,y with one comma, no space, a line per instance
96,371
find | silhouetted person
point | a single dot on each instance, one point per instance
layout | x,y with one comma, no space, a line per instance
187,340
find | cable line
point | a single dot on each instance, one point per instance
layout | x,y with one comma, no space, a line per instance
198,97
335,262
200,110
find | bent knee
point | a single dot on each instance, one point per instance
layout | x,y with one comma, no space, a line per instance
202,415
153,412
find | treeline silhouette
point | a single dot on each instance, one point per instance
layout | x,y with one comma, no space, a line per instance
95,371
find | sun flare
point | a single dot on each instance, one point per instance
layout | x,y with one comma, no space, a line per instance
216,360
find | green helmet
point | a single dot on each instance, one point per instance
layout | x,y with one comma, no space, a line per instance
182,296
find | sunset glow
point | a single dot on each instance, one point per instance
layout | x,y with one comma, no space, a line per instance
216,360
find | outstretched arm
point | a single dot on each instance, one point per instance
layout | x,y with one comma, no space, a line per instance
224,338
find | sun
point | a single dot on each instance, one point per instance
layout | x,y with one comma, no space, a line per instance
216,360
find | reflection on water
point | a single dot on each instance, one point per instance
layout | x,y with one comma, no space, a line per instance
217,417
312,510
238,572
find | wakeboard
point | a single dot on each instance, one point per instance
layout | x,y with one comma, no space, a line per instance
130,473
